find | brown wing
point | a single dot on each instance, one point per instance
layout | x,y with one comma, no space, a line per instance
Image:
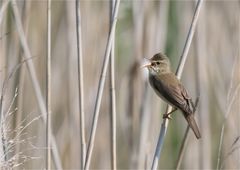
171,90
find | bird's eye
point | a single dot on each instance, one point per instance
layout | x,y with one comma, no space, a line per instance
152,64
157,62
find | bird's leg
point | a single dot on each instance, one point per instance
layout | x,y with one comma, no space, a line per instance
167,115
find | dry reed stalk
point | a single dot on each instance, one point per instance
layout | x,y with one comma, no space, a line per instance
178,74
80,83
19,114
3,142
234,148
2,10
202,87
3,50
72,108
12,161
144,126
113,95
134,94
3,135
48,88
200,73
100,87
185,139
35,83
219,164
230,102
159,42
3,32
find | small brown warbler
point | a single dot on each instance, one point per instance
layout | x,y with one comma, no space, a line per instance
170,89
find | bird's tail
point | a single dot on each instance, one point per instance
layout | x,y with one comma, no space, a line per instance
192,123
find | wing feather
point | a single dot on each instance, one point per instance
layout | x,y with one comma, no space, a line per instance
172,91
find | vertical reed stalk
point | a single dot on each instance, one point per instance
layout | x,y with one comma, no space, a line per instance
35,83
3,144
100,87
20,82
80,83
230,102
182,148
160,42
48,96
2,132
2,10
178,74
202,86
185,139
144,127
135,92
113,95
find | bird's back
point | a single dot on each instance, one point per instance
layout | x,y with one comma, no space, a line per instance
170,89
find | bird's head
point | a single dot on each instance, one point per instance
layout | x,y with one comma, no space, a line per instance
158,64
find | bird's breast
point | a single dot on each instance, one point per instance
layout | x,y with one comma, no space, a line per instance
159,87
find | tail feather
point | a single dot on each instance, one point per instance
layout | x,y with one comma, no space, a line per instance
192,123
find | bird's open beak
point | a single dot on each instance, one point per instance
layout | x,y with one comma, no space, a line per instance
146,64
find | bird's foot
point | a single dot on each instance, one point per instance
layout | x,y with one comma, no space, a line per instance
167,116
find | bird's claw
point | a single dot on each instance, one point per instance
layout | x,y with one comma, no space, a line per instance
167,116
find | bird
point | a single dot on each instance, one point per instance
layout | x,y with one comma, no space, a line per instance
169,88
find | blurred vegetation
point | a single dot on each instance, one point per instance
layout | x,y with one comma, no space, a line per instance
143,29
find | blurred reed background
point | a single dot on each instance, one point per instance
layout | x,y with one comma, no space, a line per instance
144,28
